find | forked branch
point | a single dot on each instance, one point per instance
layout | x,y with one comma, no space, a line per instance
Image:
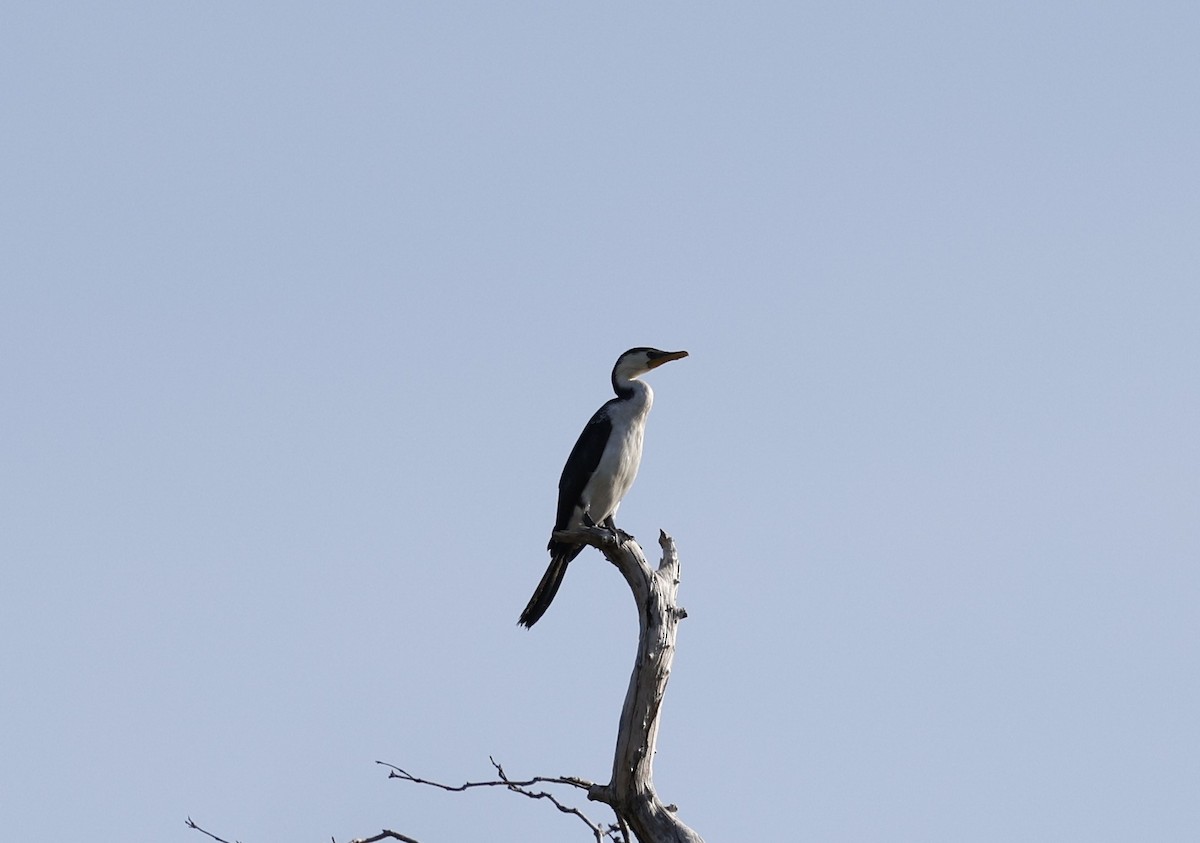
386,834
631,792
522,787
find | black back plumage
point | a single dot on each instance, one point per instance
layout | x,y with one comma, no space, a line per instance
581,464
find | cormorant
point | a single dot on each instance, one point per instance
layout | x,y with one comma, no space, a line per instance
601,467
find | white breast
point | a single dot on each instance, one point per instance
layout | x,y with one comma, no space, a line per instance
619,463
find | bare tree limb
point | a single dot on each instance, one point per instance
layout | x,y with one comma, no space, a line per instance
522,787
503,781
385,835
631,792
188,822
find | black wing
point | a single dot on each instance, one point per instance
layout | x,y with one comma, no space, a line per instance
585,456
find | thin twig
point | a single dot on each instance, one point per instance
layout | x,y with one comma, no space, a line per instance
521,787
503,781
385,835
190,824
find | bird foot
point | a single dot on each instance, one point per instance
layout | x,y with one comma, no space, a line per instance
619,535
607,525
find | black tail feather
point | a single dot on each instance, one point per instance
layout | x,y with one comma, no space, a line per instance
543,595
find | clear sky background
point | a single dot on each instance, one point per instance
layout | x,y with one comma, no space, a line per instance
302,307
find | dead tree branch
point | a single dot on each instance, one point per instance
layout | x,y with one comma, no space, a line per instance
190,824
386,834
631,792
522,787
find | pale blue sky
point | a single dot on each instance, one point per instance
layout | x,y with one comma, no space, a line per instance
303,306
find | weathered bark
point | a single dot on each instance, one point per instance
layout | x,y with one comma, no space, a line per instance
631,792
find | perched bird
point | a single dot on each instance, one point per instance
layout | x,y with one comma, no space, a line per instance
601,467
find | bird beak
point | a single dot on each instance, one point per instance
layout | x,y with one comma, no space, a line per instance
666,357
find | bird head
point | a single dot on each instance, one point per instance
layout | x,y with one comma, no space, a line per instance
638,361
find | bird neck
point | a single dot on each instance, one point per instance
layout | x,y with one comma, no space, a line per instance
634,390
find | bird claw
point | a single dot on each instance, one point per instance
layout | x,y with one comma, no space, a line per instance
619,535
